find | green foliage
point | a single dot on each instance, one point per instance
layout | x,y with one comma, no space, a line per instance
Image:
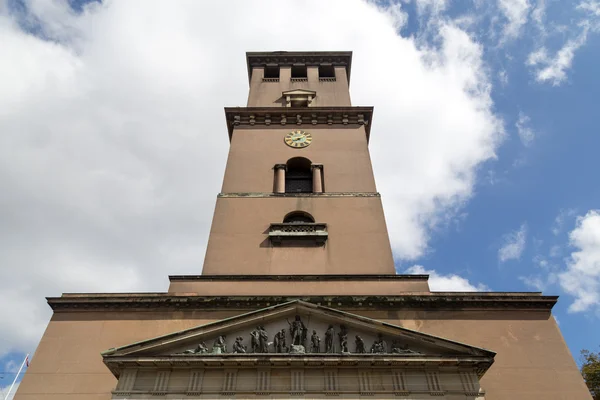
590,369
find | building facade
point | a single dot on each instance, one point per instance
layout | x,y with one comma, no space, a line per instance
298,297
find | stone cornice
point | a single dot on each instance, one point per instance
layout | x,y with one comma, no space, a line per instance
296,278
405,302
316,195
480,364
294,116
289,58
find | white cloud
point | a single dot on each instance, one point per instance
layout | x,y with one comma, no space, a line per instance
4,391
526,133
581,278
591,6
538,15
560,219
446,283
537,282
503,77
111,185
515,11
554,70
555,251
513,244
431,6
537,57
9,372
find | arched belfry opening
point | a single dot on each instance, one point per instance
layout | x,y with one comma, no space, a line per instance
298,217
298,228
298,177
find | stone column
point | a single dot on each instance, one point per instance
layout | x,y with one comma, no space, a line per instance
317,171
279,178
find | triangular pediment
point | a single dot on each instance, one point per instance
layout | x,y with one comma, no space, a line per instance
302,323
299,92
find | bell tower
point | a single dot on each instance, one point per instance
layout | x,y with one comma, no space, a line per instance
299,297
298,196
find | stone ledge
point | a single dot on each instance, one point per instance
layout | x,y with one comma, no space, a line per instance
283,195
295,116
303,278
405,302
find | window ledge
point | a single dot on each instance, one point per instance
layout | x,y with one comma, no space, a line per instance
299,79
326,79
270,79
282,231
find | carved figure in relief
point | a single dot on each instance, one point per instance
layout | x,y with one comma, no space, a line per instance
279,342
379,346
255,340
329,339
297,331
344,343
398,348
360,345
343,336
238,347
263,340
315,343
220,346
200,349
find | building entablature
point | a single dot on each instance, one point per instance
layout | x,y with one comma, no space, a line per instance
290,116
405,302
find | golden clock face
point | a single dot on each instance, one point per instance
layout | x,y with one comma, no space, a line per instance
298,139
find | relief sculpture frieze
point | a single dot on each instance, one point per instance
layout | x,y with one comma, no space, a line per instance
336,341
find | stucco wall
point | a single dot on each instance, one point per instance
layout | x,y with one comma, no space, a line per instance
256,287
254,151
358,242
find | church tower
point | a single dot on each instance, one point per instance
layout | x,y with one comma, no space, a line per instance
299,196
298,297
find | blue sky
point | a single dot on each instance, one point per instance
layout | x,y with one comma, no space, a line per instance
530,187
497,192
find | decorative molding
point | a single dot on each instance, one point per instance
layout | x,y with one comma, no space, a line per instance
364,381
469,382
433,383
195,382
289,58
329,382
282,231
301,278
332,387
278,195
126,382
296,95
297,384
171,302
264,116
230,382
399,383
263,381
161,383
